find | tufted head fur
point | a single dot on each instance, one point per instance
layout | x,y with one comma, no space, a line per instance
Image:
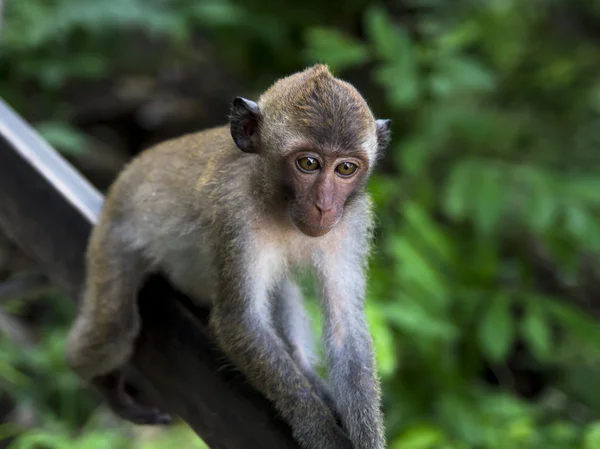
311,106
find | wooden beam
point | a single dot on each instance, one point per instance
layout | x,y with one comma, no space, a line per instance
48,209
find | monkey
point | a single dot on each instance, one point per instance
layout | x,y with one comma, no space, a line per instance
229,215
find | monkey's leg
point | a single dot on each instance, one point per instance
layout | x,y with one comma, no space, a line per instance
294,326
102,338
242,326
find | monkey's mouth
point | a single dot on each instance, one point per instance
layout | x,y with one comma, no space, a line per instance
312,230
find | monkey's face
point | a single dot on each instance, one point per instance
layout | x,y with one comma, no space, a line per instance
317,187
325,134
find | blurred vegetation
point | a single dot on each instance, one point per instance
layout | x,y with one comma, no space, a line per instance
484,279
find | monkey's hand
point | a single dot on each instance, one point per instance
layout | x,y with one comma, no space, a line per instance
113,388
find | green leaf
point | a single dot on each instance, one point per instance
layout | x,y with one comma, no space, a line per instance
217,13
578,323
409,316
64,137
10,374
419,437
457,412
429,232
391,42
400,82
460,74
383,339
586,189
496,329
542,206
414,266
459,37
592,436
398,73
536,330
8,430
576,220
489,199
412,155
337,49
459,190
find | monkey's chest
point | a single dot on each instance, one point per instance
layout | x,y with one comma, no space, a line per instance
191,264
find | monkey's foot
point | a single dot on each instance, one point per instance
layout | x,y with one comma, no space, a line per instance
113,388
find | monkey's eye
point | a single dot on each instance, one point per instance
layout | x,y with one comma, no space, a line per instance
346,168
308,164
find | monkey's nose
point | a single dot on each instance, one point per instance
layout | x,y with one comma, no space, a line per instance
323,210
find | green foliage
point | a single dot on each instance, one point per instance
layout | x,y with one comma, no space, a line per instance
334,48
63,137
496,328
493,168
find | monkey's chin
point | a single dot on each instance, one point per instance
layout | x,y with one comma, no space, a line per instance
312,231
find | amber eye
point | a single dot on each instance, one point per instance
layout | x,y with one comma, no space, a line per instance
308,164
346,168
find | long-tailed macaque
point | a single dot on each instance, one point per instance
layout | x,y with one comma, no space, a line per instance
227,214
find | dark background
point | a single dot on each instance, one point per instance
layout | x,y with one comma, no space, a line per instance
484,277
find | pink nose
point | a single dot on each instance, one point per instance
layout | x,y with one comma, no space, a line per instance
323,210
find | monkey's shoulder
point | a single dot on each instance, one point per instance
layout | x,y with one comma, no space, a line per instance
177,169
191,151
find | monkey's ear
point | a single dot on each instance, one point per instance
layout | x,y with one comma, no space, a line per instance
244,121
384,133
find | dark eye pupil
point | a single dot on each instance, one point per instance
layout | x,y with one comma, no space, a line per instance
308,163
346,168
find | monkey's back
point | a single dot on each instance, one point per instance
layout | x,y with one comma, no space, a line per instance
167,202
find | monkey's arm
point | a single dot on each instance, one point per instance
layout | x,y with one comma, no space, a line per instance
242,326
295,328
353,374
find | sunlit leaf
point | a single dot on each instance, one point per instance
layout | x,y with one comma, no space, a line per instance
420,437
592,436
383,339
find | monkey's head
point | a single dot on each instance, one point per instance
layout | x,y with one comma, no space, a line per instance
317,142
